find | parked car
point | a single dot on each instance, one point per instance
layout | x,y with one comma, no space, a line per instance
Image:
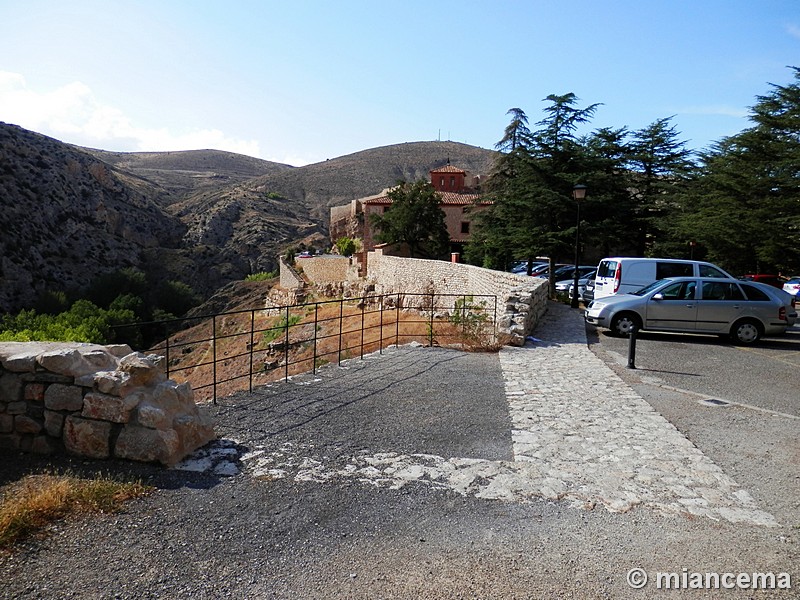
521,267
745,311
566,271
588,292
773,280
623,274
543,268
792,286
566,285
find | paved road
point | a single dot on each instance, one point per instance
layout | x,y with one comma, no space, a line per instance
431,473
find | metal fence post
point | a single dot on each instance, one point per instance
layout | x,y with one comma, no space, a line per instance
314,355
252,342
286,348
214,357
363,304
430,324
380,335
341,319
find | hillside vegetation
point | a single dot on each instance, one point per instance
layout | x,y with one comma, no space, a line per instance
204,218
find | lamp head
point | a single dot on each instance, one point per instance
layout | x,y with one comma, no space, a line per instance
579,192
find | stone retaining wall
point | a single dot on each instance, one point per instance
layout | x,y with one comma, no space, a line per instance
521,300
97,402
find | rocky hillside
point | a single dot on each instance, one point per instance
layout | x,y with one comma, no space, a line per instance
206,217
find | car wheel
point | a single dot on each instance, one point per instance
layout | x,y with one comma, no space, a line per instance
623,323
746,332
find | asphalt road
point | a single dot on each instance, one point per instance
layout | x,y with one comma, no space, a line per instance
766,375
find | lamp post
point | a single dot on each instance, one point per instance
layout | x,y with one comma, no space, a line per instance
578,193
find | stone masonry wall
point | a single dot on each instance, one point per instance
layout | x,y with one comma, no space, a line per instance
328,268
521,300
96,402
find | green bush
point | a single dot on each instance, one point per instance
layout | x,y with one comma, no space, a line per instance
261,276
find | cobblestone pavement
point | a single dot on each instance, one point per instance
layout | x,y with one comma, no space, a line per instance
579,435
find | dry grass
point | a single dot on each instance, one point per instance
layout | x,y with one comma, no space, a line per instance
27,506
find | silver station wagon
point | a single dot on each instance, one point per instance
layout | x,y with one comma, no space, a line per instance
745,311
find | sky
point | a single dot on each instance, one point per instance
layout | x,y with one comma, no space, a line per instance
302,81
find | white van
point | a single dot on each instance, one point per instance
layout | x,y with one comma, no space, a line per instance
620,275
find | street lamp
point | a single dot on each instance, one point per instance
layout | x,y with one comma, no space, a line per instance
578,193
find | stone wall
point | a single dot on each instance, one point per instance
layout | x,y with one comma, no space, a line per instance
521,300
328,268
96,402
289,278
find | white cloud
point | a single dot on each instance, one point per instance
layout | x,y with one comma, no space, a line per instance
719,110
72,113
794,30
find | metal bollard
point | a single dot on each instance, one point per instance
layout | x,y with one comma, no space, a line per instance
632,348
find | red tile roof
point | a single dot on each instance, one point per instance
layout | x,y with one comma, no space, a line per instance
447,169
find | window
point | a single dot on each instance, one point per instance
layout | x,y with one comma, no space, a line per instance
664,270
441,182
754,294
464,226
709,271
452,182
608,268
683,290
713,290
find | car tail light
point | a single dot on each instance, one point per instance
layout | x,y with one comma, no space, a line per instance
617,277
782,313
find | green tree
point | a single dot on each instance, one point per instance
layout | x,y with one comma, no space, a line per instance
346,246
744,212
415,219
531,186
660,166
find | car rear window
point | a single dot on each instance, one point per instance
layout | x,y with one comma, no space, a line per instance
753,293
607,268
664,270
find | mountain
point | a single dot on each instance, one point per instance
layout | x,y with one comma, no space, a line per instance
203,217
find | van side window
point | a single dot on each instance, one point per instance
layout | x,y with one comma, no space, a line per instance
664,270
709,271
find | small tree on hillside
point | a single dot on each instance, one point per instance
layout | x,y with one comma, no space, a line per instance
416,219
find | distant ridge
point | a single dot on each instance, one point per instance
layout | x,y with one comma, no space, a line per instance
204,217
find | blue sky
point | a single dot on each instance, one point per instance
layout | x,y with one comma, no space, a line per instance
299,81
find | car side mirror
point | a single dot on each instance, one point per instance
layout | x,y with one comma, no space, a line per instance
658,296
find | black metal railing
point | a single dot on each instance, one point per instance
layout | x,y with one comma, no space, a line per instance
217,352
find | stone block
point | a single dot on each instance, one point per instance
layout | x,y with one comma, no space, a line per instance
10,387
143,370
148,445
119,350
86,437
53,423
44,445
6,423
20,363
34,392
100,360
64,361
17,408
154,417
45,377
59,396
105,407
111,382
24,424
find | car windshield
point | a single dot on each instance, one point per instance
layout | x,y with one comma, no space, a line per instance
649,288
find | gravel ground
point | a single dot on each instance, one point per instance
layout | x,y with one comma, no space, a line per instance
205,536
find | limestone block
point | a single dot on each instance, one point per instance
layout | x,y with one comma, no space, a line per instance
119,350
86,437
43,444
108,408
10,387
142,370
59,396
100,360
20,363
34,392
148,445
154,417
6,423
17,408
53,423
24,424
111,382
64,361
193,432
